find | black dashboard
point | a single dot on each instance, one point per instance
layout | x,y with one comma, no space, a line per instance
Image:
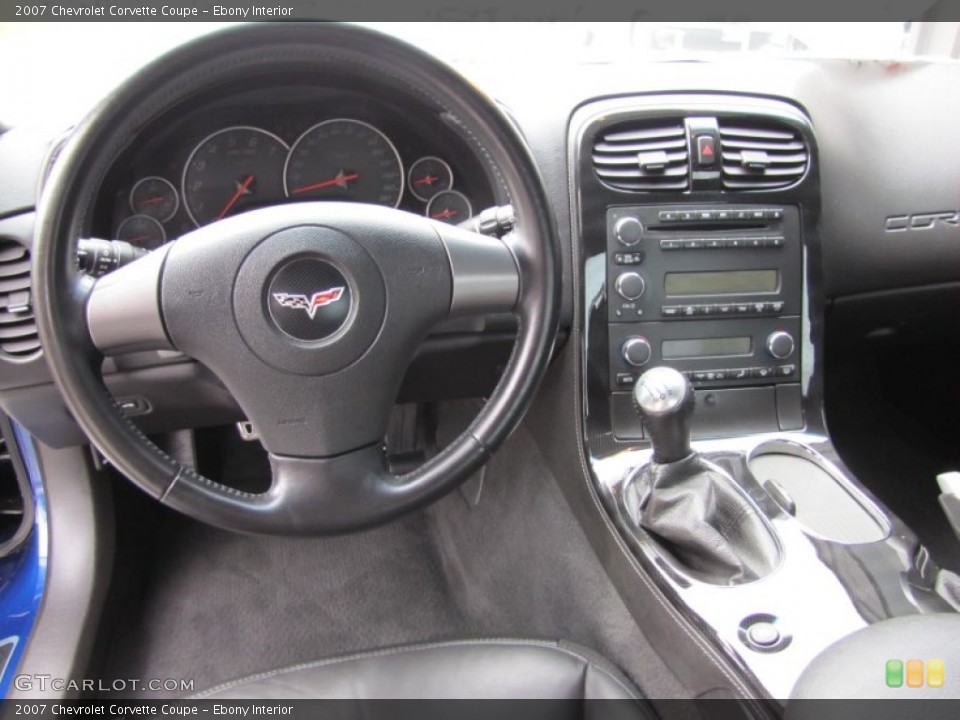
872,158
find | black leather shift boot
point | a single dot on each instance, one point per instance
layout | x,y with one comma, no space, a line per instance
703,519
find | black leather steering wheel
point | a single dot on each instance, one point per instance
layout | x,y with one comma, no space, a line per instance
309,313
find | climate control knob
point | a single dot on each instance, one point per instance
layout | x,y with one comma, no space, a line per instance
630,285
628,231
636,351
780,345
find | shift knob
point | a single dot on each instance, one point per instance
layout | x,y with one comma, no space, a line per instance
664,399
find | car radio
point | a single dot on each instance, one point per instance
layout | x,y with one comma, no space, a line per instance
713,291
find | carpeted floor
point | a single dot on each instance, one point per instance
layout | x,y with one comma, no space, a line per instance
210,605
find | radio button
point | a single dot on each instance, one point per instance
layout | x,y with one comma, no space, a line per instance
628,231
688,310
775,307
777,242
724,215
757,214
628,258
774,214
669,311
668,216
707,310
761,372
725,309
741,215
740,374
670,244
786,370
741,309
625,379
780,344
630,285
636,351
687,216
713,244
693,244
706,215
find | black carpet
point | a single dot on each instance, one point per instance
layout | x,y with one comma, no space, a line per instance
210,605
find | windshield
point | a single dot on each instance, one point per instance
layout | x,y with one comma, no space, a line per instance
61,72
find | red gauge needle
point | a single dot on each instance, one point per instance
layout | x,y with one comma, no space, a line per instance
340,179
448,213
428,180
152,200
138,238
242,190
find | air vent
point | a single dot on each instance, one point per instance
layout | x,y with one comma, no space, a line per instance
11,499
644,157
18,330
760,155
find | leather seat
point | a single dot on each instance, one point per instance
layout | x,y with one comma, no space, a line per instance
494,669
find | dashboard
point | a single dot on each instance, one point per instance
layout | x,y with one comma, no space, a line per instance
290,143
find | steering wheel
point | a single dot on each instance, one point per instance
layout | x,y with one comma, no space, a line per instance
309,313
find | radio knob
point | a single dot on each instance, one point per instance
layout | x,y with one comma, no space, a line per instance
630,285
636,351
628,230
780,344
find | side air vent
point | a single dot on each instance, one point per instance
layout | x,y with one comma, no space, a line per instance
644,157
18,329
760,155
16,503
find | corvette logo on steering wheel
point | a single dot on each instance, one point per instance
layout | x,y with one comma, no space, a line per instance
312,303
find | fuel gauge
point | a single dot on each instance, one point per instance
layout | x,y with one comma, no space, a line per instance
428,177
155,197
450,207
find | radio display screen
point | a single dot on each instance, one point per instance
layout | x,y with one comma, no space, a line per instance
730,282
706,347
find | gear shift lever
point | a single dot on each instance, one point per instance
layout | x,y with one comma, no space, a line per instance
664,399
691,505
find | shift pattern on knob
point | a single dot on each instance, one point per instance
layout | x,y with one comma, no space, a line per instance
660,391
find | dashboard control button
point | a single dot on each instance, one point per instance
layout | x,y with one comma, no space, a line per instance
693,244
688,216
786,370
776,306
707,310
761,372
725,309
780,344
724,215
757,214
740,374
742,309
713,244
628,231
630,285
669,311
636,351
706,150
688,310
668,216
742,215
626,379
628,258
671,244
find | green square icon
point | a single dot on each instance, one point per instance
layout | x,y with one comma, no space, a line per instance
894,673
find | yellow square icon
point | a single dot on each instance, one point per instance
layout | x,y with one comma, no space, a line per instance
914,673
935,673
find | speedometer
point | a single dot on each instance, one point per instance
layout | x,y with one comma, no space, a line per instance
344,160
234,169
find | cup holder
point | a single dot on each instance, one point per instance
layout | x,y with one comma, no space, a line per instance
808,487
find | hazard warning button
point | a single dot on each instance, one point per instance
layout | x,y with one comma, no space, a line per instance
706,150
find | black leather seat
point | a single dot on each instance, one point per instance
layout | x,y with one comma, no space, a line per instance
490,669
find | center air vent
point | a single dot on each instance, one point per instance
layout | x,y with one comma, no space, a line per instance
18,329
644,156
760,155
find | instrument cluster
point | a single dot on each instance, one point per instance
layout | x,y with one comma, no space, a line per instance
220,164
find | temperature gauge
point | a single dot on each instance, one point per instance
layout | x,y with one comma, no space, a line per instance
450,206
429,176
155,197
142,231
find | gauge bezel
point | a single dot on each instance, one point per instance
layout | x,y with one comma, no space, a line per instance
411,185
378,131
467,200
173,189
221,131
136,216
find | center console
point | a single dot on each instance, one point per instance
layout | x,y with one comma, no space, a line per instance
700,314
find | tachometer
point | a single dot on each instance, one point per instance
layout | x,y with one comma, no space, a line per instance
234,169
344,160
